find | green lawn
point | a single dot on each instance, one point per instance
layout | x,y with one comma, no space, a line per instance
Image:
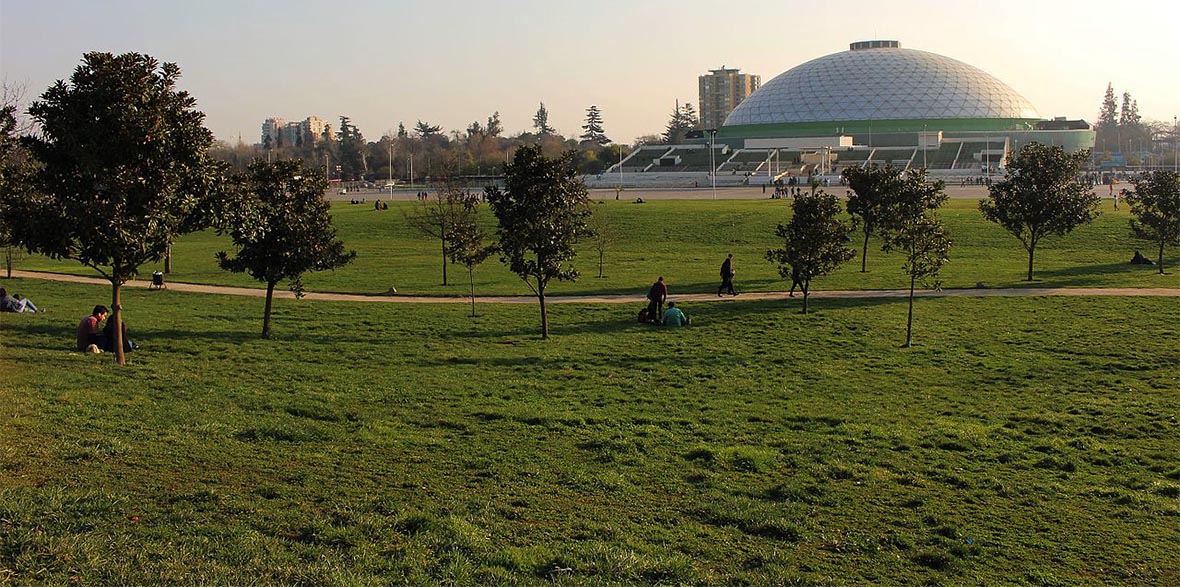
1022,441
686,241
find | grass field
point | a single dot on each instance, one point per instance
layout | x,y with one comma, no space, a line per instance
686,241
374,444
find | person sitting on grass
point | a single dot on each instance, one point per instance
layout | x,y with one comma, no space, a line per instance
108,338
89,332
675,317
15,303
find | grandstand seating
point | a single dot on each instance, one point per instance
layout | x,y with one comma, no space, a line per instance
745,160
944,157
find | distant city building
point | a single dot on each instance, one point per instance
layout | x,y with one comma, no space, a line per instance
290,134
721,91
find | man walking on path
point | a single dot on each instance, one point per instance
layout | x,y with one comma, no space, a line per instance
727,274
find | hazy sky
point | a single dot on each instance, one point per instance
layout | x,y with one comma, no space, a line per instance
450,63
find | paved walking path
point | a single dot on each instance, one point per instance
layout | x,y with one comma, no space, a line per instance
619,299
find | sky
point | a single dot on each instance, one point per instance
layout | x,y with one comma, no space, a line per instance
450,63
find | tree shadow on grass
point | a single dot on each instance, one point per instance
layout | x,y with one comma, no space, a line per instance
1085,275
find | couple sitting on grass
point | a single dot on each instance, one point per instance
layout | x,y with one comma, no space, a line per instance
92,339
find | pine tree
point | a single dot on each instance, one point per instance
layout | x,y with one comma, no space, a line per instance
593,127
541,121
401,130
684,119
1108,115
494,127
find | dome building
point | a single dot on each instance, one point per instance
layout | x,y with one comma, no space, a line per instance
880,103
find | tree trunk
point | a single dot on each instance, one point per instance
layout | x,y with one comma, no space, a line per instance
806,287
117,316
444,257
471,279
168,260
600,254
544,311
1031,250
909,321
270,290
8,260
1161,263
864,253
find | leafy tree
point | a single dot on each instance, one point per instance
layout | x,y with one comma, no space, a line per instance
869,202
1129,114
15,179
600,234
1041,196
1155,203
916,231
1109,112
125,169
541,121
813,241
470,245
593,127
438,218
281,228
426,130
541,211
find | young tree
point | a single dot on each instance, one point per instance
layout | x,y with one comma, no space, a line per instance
541,211
438,217
916,231
592,130
282,228
813,241
541,121
600,234
470,246
1041,196
869,202
15,176
1155,203
124,169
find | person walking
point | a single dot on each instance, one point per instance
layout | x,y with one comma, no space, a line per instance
727,273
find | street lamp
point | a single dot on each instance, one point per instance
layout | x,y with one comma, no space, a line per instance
712,160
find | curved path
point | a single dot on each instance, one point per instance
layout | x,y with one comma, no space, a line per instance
618,299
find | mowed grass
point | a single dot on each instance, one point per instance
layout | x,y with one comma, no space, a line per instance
686,241
1023,441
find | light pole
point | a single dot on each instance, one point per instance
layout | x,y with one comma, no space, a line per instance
1175,145
712,160
925,142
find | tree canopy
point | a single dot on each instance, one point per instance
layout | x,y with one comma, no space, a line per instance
1041,195
281,228
541,121
541,211
813,241
870,201
915,230
1155,204
124,169
592,130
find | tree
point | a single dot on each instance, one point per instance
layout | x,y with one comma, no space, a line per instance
541,121
438,218
600,234
281,228
1108,114
916,231
401,130
469,244
494,127
351,150
1040,196
869,202
1155,203
15,170
426,130
593,127
683,120
124,169
541,211
813,241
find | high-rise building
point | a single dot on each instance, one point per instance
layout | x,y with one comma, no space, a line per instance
293,134
721,91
